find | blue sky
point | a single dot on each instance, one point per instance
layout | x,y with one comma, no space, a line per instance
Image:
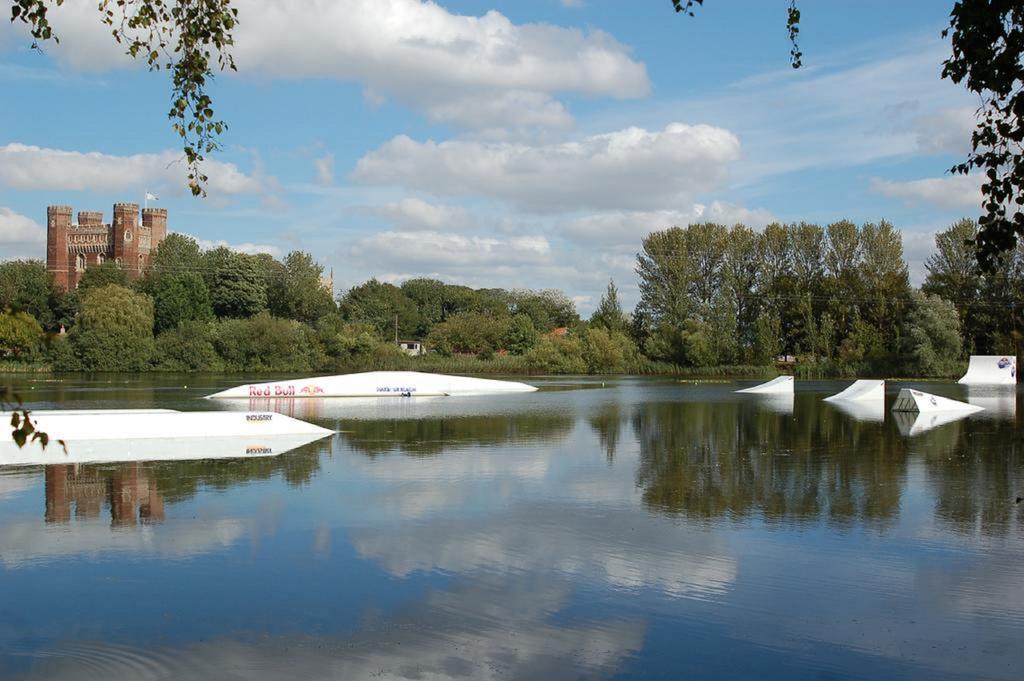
518,144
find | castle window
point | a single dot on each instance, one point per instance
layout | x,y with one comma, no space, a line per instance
80,262
127,235
140,261
99,258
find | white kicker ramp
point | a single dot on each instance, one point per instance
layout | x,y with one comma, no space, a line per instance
158,434
375,384
991,370
776,386
861,391
911,400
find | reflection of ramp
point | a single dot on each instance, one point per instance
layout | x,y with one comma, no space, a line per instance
999,401
861,410
117,424
861,391
910,400
780,403
991,370
782,384
910,423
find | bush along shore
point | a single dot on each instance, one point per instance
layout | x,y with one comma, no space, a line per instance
715,302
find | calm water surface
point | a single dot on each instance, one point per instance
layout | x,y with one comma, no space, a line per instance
627,529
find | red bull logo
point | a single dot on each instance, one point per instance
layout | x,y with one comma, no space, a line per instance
1004,362
311,390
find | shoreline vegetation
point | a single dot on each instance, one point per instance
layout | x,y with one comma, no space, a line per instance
716,302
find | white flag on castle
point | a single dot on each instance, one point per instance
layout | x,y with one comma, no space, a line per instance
152,197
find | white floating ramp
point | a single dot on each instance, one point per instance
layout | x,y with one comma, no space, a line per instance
776,386
863,390
910,400
375,384
158,434
991,370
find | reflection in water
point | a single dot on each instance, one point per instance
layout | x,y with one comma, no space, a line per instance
647,530
861,410
999,401
494,629
911,423
130,493
431,436
709,460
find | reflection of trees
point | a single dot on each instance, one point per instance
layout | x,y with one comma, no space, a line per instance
976,476
607,421
430,436
735,458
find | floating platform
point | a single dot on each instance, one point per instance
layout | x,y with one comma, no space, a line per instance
991,370
910,400
776,386
375,384
106,435
864,390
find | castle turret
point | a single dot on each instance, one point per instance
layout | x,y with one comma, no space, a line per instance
126,236
58,222
90,217
156,220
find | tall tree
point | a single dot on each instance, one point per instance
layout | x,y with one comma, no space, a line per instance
609,313
26,285
114,331
236,283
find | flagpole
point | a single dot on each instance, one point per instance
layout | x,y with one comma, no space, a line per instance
145,199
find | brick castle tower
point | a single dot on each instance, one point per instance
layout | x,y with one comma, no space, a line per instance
72,247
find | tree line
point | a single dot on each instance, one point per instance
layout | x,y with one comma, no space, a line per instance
837,300
220,310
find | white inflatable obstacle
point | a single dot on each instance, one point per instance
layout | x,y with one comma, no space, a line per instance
158,434
910,400
375,384
776,386
991,370
861,391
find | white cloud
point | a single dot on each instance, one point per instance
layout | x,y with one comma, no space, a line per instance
953,191
324,170
20,236
435,250
30,168
413,213
245,247
463,70
627,228
628,169
948,130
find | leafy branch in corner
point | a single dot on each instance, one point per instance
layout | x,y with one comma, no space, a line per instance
792,26
988,44
23,428
185,37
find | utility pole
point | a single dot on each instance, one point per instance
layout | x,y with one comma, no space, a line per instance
396,329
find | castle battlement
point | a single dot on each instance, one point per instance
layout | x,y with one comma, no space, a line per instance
72,247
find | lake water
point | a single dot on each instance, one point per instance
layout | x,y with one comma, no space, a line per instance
600,528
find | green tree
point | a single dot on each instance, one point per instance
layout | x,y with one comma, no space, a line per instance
26,285
104,274
953,276
548,308
380,305
188,346
299,293
20,335
265,343
180,298
470,333
236,283
608,314
521,336
114,330
931,336
176,254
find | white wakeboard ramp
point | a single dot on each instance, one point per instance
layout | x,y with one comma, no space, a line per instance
991,370
864,390
910,400
776,386
375,384
103,435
